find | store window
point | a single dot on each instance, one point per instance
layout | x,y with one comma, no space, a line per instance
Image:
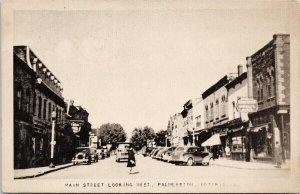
262,142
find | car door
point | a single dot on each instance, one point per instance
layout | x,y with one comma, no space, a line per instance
197,155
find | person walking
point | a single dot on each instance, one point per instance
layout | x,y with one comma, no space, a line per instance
278,154
131,159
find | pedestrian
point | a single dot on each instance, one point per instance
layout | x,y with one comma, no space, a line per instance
227,151
131,159
278,154
215,152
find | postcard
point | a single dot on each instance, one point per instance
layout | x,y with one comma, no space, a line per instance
102,96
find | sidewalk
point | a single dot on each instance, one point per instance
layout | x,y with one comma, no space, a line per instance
249,165
35,172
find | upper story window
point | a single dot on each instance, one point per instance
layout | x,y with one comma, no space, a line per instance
40,107
211,111
45,109
28,96
206,113
49,111
19,99
34,103
217,108
233,109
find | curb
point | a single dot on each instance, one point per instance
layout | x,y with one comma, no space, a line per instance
43,173
251,168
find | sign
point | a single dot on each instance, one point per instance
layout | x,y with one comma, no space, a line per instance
246,105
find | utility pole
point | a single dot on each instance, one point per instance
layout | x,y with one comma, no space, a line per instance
53,142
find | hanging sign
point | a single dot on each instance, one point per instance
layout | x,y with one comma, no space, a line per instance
247,105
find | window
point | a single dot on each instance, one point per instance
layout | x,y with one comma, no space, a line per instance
28,95
34,103
19,99
40,107
211,111
49,111
217,109
233,108
45,109
206,113
198,121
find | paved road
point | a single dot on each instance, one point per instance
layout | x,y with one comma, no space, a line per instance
151,168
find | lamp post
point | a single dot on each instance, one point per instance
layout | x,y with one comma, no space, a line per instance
166,138
53,142
193,137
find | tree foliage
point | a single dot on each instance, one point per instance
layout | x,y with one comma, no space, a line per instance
111,133
160,139
141,135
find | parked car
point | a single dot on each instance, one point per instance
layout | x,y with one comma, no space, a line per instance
105,151
160,153
147,151
190,155
156,152
151,153
166,156
122,151
82,155
94,155
100,153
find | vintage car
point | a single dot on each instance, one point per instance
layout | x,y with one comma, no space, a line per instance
82,155
147,152
122,151
160,153
166,156
156,152
190,155
94,155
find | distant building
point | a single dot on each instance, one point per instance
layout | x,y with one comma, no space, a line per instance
37,93
177,134
78,119
269,84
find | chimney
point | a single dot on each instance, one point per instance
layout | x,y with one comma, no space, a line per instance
240,70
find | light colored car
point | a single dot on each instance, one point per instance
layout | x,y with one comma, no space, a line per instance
160,153
166,156
83,155
122,151
190,155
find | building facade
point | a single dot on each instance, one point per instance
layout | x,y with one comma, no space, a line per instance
269,84
78,120
37,93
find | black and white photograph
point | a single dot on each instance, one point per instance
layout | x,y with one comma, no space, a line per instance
150,96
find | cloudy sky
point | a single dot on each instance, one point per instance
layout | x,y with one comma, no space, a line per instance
138,67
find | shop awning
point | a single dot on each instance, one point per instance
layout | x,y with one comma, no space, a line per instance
213,140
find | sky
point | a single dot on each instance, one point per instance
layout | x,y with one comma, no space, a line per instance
139,67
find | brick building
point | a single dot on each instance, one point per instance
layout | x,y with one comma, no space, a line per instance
269,84
37,93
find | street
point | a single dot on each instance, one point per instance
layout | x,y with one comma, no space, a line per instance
154,169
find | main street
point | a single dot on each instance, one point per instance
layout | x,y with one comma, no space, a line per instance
154,169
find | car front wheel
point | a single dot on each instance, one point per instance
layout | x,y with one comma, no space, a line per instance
210,162
190,162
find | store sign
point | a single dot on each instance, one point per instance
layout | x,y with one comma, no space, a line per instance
247,105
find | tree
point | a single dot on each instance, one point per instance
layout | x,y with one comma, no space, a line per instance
111,133
141,135
160,138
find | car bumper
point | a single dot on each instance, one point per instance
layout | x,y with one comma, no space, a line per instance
85,160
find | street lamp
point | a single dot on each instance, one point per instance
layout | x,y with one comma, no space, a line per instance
53,142
166,136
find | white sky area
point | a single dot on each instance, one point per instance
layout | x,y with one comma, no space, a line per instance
137,68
